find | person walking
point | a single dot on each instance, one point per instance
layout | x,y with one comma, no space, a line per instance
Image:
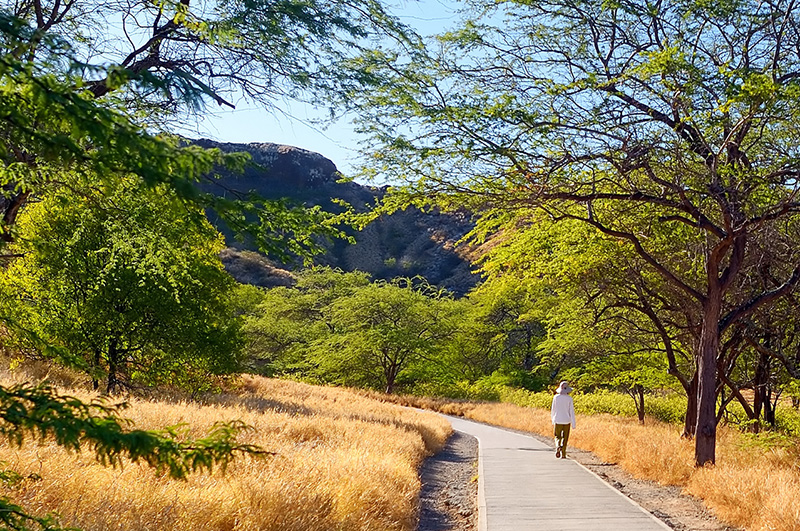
562,412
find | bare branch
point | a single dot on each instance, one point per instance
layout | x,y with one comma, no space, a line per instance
755,303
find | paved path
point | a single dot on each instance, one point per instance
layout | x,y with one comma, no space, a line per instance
523,487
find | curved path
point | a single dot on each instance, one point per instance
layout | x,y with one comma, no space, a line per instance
523,487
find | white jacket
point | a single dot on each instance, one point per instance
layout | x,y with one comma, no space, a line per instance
563,410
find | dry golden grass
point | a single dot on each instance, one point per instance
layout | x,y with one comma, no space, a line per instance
343,462
751,486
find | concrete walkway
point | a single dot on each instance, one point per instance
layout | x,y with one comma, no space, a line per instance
523,487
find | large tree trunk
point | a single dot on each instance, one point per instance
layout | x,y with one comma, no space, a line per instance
10,205
390,372
769,409
760,398
706,431
96,369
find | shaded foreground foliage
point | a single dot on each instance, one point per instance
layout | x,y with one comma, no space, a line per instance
29,411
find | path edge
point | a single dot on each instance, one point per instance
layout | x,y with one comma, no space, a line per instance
631,500
482,522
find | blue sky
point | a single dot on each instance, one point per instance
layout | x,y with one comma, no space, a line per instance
248,123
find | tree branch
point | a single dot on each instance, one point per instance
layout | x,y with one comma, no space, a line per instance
641,251
758,301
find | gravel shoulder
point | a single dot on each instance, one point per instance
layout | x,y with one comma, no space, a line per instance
448,499
449,494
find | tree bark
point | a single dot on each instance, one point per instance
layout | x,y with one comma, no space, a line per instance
760,398
96,369
690,422
390,371
639,397
9,208
706,430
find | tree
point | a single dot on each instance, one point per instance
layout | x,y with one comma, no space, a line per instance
128,287
281,323
504,331
381,331
765,361
190,52
339,328
683,114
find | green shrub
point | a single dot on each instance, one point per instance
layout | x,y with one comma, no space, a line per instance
522,397
787,420
670,408
461,390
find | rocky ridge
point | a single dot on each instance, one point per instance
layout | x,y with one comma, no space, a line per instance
407,243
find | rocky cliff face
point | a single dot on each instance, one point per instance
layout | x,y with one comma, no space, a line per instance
407,243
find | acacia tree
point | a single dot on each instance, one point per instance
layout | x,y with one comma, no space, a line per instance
382,330
771,361
127,287
280,323
682,113
504,329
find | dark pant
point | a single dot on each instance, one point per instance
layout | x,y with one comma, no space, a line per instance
562,436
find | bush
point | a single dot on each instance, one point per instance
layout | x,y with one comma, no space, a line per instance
787,420
670,408
460,390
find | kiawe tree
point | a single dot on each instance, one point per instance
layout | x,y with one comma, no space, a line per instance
128,288
683,114
382,330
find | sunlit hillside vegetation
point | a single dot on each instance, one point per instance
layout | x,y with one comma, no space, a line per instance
755,484
340,461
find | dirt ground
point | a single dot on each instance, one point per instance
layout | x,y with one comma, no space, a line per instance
448,500
449,495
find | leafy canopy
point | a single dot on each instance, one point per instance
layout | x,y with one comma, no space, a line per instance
126,285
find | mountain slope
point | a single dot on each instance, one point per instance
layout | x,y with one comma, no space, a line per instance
407,243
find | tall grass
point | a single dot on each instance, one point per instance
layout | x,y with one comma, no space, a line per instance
755,484
668,408
342,462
